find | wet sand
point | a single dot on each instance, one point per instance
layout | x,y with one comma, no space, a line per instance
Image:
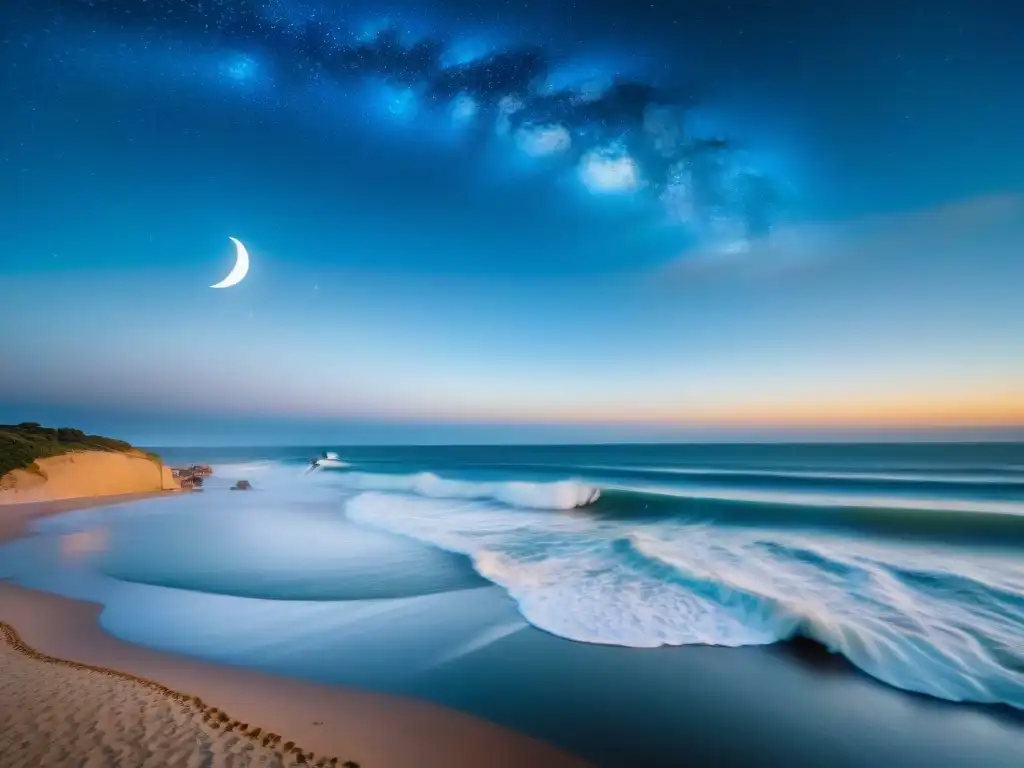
15,518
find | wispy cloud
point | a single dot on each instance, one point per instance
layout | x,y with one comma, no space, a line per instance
961,229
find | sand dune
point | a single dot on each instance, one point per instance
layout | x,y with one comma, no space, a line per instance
82,474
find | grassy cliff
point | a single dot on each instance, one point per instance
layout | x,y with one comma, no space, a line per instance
22,444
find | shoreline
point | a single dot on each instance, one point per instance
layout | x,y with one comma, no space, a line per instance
374,730
15,516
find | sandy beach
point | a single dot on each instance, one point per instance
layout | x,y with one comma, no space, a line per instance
111,718
99,701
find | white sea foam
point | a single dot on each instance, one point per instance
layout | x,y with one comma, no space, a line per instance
563,494
247,468
912,617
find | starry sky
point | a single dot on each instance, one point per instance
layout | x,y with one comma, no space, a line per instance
513,221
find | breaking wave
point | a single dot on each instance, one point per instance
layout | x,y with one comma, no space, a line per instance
907,615
562,494
569,494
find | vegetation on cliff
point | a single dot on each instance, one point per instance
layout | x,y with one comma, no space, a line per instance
21,444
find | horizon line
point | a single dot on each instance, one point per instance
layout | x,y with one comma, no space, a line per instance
1012,440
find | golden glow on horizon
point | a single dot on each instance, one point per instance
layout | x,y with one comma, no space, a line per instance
896,413
869,413
1001,406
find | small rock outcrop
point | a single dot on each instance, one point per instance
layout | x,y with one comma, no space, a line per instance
242,485
192,476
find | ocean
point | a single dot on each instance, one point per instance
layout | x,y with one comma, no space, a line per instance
639,604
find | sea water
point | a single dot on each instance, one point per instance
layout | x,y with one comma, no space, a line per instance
908,560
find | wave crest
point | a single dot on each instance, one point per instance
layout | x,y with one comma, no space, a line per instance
918,633
558,495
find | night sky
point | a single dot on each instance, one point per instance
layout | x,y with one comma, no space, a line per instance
512,221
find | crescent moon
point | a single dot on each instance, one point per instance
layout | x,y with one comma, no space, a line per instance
241,268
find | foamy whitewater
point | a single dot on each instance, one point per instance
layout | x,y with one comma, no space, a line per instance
911,568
